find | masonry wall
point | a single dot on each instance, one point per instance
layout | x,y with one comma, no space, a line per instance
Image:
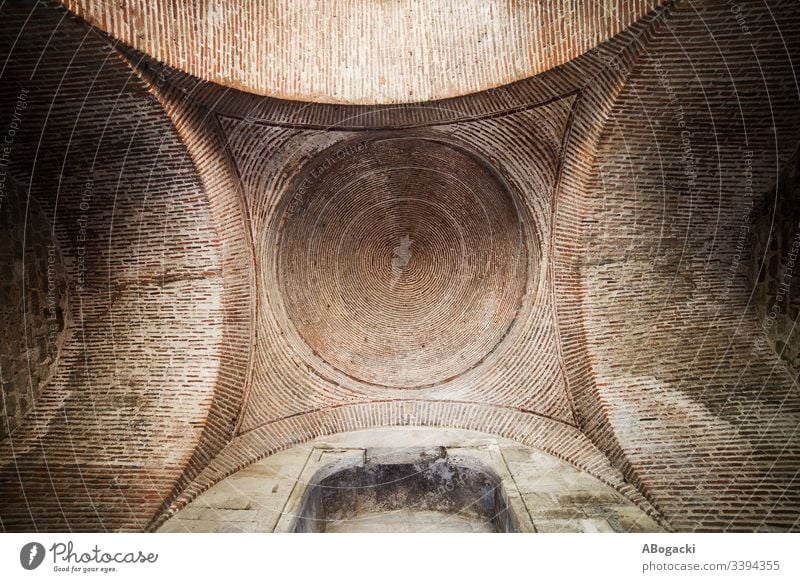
773,249
543,493
520,129
700,415
350,51
636,354
33,303
125,405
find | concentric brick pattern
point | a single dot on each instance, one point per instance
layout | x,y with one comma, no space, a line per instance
291,375
402,261
635,351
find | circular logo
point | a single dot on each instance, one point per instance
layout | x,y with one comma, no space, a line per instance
31,555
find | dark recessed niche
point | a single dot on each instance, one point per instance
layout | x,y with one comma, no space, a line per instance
443,494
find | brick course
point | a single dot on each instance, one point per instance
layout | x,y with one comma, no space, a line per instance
350,51
635,352
33,299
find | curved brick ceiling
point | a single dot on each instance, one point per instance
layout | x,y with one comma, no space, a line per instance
667,360
353,51
402,260
321,343
632,354
132,397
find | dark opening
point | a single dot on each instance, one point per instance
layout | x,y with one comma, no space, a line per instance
438,495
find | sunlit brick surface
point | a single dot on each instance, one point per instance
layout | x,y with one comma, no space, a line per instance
352,51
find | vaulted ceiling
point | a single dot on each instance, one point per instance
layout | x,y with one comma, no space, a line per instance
555,260
354,51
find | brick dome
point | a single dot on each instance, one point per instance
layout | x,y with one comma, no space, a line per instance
401,261
546,224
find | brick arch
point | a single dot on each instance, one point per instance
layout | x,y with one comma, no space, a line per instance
217,174
268,141
147,384
556,438
497,43
661,344
156,369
